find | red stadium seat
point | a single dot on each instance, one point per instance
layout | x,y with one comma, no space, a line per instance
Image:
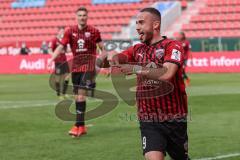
217,18
34,23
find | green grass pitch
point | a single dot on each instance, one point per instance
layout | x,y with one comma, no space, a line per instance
30,130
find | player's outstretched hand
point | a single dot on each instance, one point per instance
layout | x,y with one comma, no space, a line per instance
113,58
126,69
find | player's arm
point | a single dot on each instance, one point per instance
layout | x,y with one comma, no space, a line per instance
124,57
65,40
111,58
114,58
56,52
102,54
167,72
50,48
68,49
172,62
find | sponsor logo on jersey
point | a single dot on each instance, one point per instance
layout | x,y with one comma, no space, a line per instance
81,48
176,55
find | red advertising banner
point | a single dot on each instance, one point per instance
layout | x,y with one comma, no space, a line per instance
215,62
200,62
24,64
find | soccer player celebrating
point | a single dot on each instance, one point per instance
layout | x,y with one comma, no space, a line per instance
158,62
186,47
61,65
83,40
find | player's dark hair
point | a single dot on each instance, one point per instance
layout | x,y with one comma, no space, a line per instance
153,11
183,35
82,9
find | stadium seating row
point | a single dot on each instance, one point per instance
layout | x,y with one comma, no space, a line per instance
42,22
220,9
38,22
12,38
113,1
213,25
58,22
67,2
72,8
222,2
216,17
68,16
219,18
52,30
213,33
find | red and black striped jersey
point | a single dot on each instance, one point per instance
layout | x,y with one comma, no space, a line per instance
61,58
159,100
83,44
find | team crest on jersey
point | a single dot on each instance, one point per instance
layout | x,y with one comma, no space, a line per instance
87,34
159,53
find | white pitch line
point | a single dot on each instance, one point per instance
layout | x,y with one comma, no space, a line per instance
220,157
26,105
26,102
89,125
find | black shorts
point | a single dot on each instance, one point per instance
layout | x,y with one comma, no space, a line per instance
83,80
61,68
168,137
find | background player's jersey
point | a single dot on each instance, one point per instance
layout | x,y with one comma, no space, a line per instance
155,104
83,46
186,47
61,58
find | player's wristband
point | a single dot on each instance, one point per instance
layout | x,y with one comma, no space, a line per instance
137,69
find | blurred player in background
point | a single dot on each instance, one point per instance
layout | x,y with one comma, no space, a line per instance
44,49
162,116
24,49
61,65
83,40
186,47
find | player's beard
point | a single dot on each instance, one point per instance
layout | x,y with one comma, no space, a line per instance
147,37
